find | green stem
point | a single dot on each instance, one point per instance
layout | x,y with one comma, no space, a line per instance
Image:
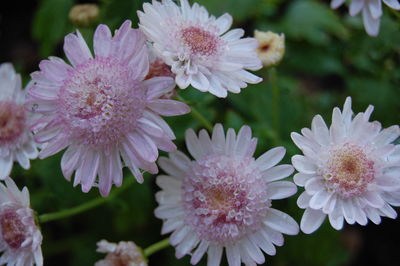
196,114
273,77
44,218
156,247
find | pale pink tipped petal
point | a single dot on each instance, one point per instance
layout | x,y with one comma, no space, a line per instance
253,251
356,6
336,222
337,3
281,190
371,24
144,146
375,7
281,222
311,220
243,140
102,41
193,145
6,164
224,22
392,4
303,200
319,199
88,169
233,255
160,122
199,252
214,255
70,161
76,49
168,107
303,164
278,172
271,158
320,130
57,144
158,86
55,69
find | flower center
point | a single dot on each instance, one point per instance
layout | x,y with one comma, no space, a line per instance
349,170
199,41
224,198
12,121
100,103
12,229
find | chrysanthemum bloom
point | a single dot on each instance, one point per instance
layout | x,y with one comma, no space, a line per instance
222,199
350,171
271,47
123,253
101,109
16,141
198,47
371,12
20,238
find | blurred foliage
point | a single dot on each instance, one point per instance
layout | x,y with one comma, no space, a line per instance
328,57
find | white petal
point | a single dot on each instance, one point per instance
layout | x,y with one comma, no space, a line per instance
281,222
270,158
311,220
303,164
281,190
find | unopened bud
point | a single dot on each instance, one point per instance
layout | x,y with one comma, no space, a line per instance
84,14
271,47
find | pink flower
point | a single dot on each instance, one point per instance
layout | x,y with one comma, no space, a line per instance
100,108
200,48
16,141
350,171
20,238
121,254
222,199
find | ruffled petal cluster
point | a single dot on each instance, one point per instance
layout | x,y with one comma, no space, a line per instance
16,141
223,198
350,171
101,109
200,48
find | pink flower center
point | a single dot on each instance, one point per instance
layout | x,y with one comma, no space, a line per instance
199,41
12,229
349,170
100,102
12,121
224,198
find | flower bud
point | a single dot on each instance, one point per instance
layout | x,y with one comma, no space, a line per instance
84,14
271,48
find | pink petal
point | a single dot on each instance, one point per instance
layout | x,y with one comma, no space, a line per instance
168,107
76,49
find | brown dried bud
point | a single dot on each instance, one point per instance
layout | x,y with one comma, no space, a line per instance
84,15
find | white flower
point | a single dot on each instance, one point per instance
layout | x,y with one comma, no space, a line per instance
16,141
20,238
350,171
199,48
123,253
371,12
222,199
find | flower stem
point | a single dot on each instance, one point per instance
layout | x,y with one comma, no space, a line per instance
196,114
44,218
156,247
273,77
